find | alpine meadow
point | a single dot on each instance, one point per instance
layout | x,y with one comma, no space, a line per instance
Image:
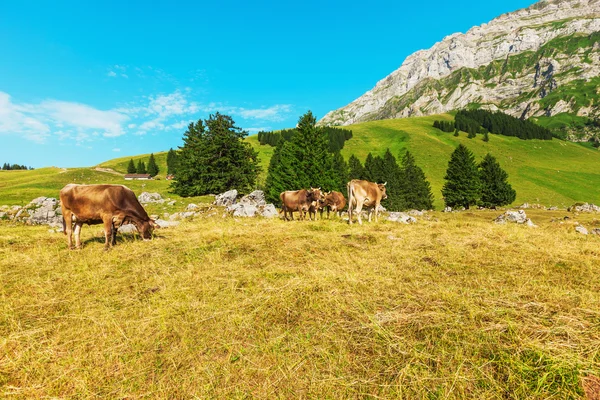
235,270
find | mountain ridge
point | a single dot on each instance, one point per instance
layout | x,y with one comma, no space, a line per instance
485,60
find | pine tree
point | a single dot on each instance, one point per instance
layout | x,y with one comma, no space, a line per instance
152,167
171,161
141,167
374,169
302,162
495,190
131,167
214,158
462,187
416,190
391,175
340,168
281,175
456,132
486,137
357,171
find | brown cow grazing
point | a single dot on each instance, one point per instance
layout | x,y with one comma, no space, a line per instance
367,194
299,200
111,205
334,201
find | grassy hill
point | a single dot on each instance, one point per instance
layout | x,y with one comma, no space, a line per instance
547,172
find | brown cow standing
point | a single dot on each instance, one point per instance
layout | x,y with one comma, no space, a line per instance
367,194
334,201
111,205
299,200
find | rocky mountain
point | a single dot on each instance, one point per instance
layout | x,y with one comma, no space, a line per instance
540,61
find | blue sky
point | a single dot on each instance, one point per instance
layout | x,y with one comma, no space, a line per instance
83,82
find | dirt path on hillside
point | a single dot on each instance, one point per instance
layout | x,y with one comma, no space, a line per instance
108,170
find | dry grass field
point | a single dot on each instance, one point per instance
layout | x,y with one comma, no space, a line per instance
452,307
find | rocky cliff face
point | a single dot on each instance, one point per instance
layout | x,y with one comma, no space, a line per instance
538,61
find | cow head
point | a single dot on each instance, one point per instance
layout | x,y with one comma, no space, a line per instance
146,227
317,194
381,187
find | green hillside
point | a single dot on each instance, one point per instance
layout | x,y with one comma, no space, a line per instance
547,172
552,172
120,164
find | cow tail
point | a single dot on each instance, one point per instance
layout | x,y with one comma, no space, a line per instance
350,194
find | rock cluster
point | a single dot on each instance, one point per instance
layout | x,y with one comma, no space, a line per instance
251,205
585,207
40,211
517,217
401,218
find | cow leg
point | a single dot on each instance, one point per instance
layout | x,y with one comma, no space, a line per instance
108,232
113,235
370,213
78,226
376,212
359,206
68,227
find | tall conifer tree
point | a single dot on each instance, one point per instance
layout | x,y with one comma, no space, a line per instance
416,190
462,187
131,169
152,167
391,175
495,190
357,171
214,159
141,167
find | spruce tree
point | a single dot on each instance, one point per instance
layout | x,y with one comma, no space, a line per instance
340,169
171,161
281,175
462,187
357,171
302,162
456,132
152,167
416,190
374,169
391,175
214,158
131,167
495,190
486,137
141,167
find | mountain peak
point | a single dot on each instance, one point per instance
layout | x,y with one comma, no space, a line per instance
419,86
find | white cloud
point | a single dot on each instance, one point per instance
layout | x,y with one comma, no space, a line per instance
116,150
83,117
275,113
179,125
112,74
64,119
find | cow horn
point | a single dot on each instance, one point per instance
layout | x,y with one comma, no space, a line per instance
385,184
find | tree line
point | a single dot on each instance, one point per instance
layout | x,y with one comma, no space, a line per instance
483,122
336,136
11,167
214,158
307,160
468,183
141,168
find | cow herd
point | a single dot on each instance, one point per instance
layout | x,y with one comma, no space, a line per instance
360,194
115,205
